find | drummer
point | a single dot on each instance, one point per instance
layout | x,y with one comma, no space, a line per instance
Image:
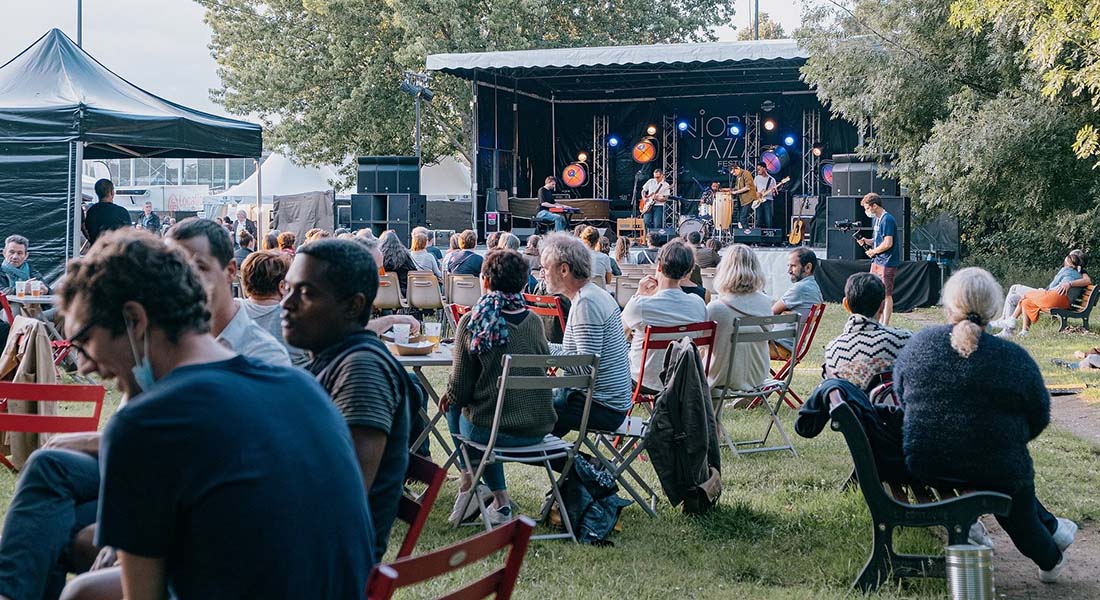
706,201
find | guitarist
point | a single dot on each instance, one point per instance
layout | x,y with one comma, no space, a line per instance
655,193
765,188
745,191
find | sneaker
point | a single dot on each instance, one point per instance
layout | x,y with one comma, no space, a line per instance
457,514
1065,364
1005,334
979,535
1052,575
1065,534
499,516
1021,333
1009,323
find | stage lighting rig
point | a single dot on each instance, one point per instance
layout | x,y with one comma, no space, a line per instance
582,157
769,124
416,85
651,130
682,125
735,129
788,140
817,150
613,142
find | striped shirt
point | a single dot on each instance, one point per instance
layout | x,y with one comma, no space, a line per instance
595,327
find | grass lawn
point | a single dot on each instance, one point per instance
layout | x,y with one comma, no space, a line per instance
782,530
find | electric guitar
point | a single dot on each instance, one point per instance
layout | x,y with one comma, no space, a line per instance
762,196
648,200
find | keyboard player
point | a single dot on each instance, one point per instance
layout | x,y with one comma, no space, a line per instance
547,204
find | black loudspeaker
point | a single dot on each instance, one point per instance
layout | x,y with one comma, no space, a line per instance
855,176
840,245
388,175
757,236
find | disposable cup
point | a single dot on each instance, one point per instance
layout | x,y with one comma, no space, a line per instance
401,333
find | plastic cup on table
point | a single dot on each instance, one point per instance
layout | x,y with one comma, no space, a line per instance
36,288
20,289
432,331
401,333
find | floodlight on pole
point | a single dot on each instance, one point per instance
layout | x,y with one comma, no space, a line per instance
416,85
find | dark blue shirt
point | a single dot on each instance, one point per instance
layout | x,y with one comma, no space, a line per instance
241,476
887,226
464,262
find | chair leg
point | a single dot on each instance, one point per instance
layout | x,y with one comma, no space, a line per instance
617,472
555,489
722,433
877,570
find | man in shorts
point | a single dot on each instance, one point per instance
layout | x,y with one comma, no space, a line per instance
881,249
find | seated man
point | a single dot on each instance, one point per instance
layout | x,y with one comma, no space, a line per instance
660,302
801,297
205,468
705,256
331,289
56,496
465,261
594,327
866,348
15,267
648,255
546,202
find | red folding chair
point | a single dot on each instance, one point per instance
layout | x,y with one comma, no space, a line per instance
801,348
546,306
414,509
8,313
456,312
48,392
387,579
659,338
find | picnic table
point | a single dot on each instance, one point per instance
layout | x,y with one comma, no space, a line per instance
444,357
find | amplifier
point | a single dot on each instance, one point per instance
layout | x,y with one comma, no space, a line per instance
755,235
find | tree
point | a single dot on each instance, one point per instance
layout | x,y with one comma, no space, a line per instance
769,29
323,75
964,119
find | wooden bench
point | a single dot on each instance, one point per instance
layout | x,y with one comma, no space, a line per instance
955,514
1079,310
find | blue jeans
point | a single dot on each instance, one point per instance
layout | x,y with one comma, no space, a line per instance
569,404
56,496
764,215
655,217
559,221
494,472
743,215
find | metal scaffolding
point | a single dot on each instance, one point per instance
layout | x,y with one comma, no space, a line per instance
811,134
600,124
670,164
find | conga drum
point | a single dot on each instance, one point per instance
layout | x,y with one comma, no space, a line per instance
723,210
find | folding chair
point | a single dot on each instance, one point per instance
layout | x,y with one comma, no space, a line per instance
389,293
546,306
9,314
625,288
775,328
386,579
517,376
455,312
465,290
48,392
658,339
801,348
414,509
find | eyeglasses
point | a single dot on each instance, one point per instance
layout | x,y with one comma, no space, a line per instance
76,340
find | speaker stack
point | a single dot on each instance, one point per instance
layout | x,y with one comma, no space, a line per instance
853,178
388,196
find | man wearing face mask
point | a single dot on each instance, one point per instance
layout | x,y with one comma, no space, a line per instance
60,484
881,249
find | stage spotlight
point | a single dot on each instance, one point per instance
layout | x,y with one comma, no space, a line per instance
613,142
682,126
789,140
769,124
817,150
651,130
735,129
582,157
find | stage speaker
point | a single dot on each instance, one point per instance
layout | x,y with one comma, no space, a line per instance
498,221
839,245
855,176
757,236
388,175
848,208
368,207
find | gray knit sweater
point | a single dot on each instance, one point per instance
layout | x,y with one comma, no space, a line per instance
473,385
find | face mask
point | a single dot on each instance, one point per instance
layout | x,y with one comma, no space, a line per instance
143,369
870,215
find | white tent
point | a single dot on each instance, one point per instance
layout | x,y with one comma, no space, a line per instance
447,178
281,177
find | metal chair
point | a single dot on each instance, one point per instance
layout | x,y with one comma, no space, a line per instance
546,306
48,392
747,330
801,348
577,372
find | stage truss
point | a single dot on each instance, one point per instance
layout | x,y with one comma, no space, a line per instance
811,134
670,164
599,156
752,141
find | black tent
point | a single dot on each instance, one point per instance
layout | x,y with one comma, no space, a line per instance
58,106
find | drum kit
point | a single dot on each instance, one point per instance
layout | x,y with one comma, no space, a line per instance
714,220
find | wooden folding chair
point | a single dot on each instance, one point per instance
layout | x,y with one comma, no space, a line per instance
414,509
801,348
387,579
48,392
575,372
776,328
546,306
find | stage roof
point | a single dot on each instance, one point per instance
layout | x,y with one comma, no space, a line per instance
624,73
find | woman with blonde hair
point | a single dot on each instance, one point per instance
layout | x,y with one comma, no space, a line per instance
972,403
738,284
601,263
425,261
622,251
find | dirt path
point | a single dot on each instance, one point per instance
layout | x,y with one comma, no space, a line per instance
1077,417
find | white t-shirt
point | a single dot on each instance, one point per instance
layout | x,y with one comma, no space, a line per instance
662,189
601,264
764,182
665,308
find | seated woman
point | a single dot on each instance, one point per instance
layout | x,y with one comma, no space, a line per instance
464,260
1071,276
738,283
396,258
622,251
262,275
425,260
971,430
601,263
605,248
499,324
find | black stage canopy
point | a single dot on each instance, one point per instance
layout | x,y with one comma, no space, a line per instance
58,106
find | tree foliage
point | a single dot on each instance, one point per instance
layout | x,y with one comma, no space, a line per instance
964,114
323,75
769,30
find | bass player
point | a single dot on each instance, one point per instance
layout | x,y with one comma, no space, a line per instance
655,193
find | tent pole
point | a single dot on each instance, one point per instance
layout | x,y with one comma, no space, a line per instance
473,155
78,188
259,207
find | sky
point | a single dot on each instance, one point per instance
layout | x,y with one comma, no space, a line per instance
161,45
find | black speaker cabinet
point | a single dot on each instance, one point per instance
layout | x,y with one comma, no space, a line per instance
388,175
847,208
855,176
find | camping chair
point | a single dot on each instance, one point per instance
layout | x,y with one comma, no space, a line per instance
546,306
801,348
386,579
761,329
516,376
414,509
389,293
465,290
625,288
48,392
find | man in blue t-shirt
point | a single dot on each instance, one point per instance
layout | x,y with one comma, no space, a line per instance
223,477
331,289
884,254
800,298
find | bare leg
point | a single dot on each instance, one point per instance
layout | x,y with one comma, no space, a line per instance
104,584
887,309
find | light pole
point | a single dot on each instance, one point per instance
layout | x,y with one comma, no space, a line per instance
416,85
